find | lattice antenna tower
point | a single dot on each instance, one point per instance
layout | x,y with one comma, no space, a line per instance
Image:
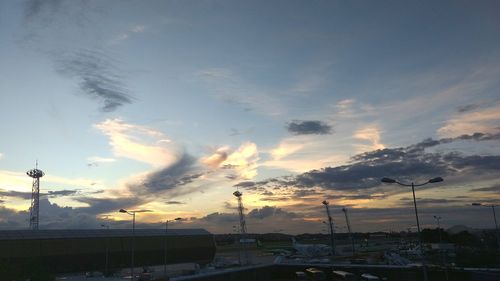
243,227
36,174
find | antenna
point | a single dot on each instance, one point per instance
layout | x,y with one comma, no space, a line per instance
36,174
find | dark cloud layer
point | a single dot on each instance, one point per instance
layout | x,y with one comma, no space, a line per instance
27,195
407,163
269,211
312,127
97,77
169,179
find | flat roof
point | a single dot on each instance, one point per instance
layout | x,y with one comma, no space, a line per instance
94,233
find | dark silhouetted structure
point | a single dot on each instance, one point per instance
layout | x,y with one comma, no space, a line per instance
36,174
78,250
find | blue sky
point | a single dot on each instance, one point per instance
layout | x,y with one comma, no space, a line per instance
171,105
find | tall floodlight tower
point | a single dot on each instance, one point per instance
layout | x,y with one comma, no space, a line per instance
243,227
349,228
330,223
36,174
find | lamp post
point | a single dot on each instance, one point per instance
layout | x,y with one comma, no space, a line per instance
132,213
107,249
438,219
443,257
165,250
433,180
494,218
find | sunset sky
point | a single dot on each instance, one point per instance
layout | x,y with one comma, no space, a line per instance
170,106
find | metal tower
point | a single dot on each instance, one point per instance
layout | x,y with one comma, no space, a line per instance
36,174
349,229
243,227
330,222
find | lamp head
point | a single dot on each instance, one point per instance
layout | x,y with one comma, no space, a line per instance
476,204
388,180
325,202
434,180
178,219
123,211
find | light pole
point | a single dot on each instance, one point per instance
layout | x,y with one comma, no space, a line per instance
443,257
438,219
132,213
165,250
107,249
494,218
330,221
433,180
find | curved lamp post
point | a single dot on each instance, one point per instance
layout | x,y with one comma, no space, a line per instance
132,213
165,249
433,180
494,218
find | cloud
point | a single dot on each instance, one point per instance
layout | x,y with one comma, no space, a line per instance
167,179
138,28
227,86
308,127
97,77
27,195
269,211
407,163
217,158
467,108
1,156
174,203
140,143
104,205
285,148
95,161
484,120
37,8
370,134
243,162
494,188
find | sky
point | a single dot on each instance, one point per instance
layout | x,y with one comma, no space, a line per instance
167,107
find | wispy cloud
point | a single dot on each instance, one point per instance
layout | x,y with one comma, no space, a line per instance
227,86
134,29
97,77
472,120
94,161
240,163
370,134
140,143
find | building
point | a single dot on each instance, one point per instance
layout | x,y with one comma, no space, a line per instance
75,250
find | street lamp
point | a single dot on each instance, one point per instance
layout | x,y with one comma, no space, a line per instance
107,249
433,180
132,213
494,218
438,219
165,250
443,256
